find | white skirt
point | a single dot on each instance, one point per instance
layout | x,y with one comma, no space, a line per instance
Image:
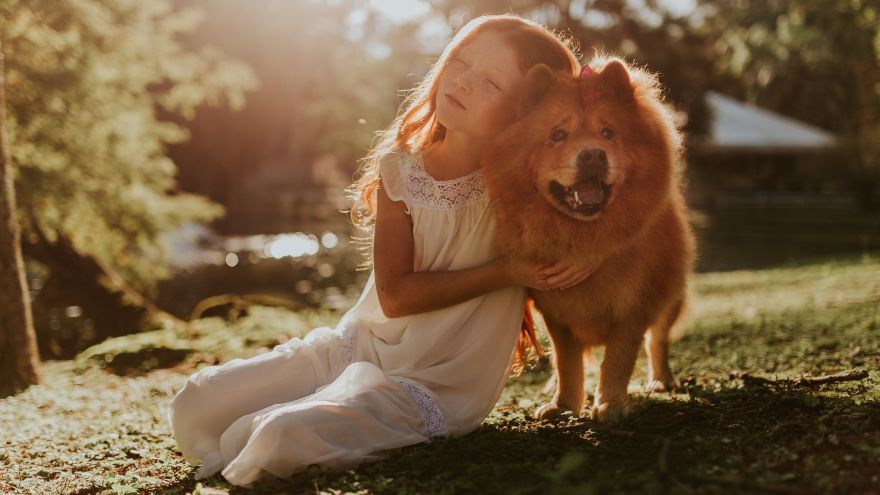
300,404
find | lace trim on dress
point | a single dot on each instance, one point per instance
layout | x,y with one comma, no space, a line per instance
427,192
431,415
349,335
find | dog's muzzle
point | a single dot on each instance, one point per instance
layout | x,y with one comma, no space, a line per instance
588,194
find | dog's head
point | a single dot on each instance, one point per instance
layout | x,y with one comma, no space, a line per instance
590,145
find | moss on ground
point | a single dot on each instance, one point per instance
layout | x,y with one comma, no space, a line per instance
741,422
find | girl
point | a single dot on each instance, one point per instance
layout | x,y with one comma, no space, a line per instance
426,350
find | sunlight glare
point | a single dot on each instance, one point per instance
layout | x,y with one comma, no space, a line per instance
329,240
231,259
679,7
293,245
400,11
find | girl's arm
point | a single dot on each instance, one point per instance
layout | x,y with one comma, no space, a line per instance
404,292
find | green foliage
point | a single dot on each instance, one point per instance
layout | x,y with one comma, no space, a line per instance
209,340
806,59
85,82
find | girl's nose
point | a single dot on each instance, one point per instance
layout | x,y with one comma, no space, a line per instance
462,82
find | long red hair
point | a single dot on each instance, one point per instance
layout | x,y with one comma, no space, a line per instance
416,128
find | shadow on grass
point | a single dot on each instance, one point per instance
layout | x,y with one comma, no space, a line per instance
774,438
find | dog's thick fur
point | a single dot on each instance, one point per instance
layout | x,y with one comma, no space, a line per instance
636,231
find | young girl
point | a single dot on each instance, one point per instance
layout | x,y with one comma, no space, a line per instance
426,350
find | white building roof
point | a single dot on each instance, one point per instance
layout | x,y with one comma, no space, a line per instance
738,127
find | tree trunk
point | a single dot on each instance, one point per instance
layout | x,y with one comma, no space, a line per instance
19,358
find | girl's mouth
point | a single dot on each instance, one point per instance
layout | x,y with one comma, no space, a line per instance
455,102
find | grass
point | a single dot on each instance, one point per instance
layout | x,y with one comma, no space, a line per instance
97,423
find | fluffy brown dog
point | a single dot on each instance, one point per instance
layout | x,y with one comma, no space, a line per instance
590,170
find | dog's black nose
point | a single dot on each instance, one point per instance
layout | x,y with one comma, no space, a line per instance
593,163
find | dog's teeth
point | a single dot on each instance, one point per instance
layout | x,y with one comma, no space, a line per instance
573,199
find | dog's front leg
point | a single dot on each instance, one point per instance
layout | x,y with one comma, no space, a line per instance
568,357
617,366
660,376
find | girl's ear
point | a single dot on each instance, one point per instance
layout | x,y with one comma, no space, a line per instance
538,81
615,81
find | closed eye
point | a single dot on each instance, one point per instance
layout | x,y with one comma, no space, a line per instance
493,83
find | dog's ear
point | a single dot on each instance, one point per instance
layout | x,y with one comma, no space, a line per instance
538,82
615,82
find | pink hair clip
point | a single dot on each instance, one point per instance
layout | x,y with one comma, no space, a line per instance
590,95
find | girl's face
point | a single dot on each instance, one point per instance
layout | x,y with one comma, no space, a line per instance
476,89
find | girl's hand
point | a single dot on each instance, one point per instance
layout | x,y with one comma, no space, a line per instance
565,274
523,272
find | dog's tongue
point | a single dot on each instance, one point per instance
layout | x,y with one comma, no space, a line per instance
589,191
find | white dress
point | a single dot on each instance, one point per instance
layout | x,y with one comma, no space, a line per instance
341,396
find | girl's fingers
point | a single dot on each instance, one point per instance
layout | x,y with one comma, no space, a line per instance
564,284
560,273
570,279
580,277
551,269
557,279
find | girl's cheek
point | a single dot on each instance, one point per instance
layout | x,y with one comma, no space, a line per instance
491,119
503,112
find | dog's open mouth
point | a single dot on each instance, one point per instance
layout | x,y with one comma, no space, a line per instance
586,197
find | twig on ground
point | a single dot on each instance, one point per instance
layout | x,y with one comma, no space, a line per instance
596,427
843,376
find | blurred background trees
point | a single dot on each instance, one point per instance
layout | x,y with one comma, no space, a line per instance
95,185
84,81
818,62
131,121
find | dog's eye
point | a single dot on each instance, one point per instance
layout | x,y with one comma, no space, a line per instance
558,135
607,133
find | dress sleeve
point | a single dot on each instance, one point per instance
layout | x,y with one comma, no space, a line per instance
392,172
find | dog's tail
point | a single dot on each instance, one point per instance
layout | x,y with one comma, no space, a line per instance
528,339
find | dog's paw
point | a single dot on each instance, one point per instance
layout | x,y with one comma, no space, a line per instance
551,411
609,412
662,385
